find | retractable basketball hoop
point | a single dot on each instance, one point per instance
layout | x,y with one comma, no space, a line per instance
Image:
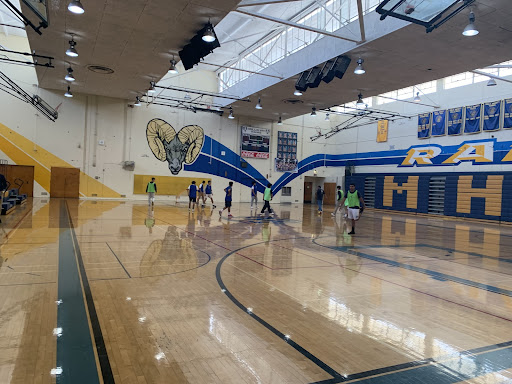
429,13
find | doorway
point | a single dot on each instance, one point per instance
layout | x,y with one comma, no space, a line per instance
330,193
65,182
308,192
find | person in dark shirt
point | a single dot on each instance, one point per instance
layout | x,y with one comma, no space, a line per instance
320,198
209,193
192,196
228,199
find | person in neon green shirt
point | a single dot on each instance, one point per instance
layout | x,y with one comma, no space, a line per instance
267,196
339,198
355,206
151,190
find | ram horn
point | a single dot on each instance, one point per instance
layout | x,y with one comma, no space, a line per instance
194,136
156,132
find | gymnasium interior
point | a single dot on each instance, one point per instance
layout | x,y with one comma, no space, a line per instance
378,131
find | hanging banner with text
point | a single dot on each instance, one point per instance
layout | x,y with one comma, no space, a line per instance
507,114
492,113
473,119
439,123
424,125
382,131
255,142
455,121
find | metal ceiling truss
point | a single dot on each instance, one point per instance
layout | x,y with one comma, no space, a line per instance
202,93
47,60
19,15
181,105
13,89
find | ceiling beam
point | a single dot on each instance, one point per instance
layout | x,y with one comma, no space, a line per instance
241,70
293,24
492,76
361,19
256,2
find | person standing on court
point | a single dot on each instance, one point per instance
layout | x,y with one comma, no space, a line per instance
3,187
267,196
192,196
228,199
320,198
209,194
151,190
201,193
254,195
339,198
355,206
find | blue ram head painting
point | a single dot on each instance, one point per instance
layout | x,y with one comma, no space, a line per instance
176,148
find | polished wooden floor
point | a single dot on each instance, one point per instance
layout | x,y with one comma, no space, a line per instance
165,295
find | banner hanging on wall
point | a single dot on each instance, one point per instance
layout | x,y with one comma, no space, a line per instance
255,142
492,113
439,123
424,121
455,121
382,131
472,122
507,114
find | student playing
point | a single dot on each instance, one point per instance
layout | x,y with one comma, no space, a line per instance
201,193
192,196
355,206
267,196
209,194
339,198
320,198
228,199
151,190
254,195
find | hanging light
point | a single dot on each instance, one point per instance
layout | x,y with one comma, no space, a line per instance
76,7
359,69
137,101
297,92
491,82
231,116
327,117
151,89
172,68
360,103
209,35
68,92
69,76
187,97
72,50
313,111
258,106
470,29
417,98
280,121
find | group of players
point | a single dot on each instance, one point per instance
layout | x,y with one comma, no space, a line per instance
352,201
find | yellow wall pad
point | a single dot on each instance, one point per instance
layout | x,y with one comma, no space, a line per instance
25,152
166,185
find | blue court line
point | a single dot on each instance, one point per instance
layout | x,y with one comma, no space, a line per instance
435,275
466,252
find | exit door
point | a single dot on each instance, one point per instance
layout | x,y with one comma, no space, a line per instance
308,191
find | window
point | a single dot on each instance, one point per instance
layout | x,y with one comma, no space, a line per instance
286,191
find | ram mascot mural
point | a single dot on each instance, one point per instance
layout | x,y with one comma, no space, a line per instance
176,148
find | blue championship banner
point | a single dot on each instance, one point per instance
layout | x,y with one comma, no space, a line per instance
455,121
439,123
424,125
507,114
492,114
473,119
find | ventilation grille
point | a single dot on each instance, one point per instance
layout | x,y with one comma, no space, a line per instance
292,101
100,69
369,192
436,188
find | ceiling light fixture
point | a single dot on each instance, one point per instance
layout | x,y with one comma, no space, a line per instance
360,103
313,111
151,90
297,93
72,50
76,7
327,118
68,93
417,98
172,69
137,101
187,97
280,121
491,82
69,76
359,69
231,116
470,29
209,35
258,106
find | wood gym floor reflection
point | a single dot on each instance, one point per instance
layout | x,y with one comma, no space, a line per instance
114,292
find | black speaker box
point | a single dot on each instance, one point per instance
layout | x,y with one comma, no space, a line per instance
314,77
335,68
301,83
